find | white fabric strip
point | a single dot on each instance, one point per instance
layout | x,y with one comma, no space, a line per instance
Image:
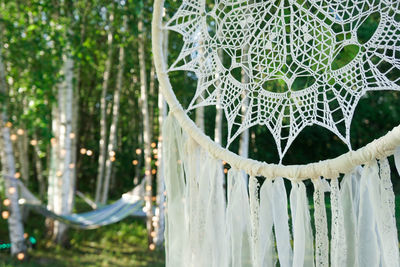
281,223
176,223
238,221
303,252
214,248
348,203
266,249
367,246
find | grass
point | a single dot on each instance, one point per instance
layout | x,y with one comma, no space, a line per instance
120,244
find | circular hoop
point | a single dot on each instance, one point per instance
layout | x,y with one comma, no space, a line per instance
331,168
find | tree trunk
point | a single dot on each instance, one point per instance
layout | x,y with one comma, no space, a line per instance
152,92
112,141
39,168
103,112
54,164
15,225
63,204
22,144
146,131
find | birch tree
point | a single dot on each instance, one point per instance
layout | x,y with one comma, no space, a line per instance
15,225
103,110
61,184
146,128
112,141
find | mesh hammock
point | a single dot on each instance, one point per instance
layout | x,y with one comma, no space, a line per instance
306,63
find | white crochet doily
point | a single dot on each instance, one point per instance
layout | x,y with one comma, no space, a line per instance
296,56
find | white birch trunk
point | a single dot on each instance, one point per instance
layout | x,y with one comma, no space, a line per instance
15,225
152,92
54,163
39,169
63,203
22,144
112,141
103,113
146,130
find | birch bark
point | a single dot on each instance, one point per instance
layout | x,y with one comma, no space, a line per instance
146,130
103,112
112,141
15,225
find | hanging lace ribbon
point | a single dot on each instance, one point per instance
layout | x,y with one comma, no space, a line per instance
321,224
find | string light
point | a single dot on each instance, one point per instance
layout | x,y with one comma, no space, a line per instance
72,135
34,142
153,171
152,246
20,131
63,152
153,234
148,187
9,124
223,162
71,165
25,235
11,190
53,141
155,151
82,151
160,138
138,151
6,202
153,145
59,173
225,170
157,163
21,256
148,159
17,175
112,159
112,153
135,162
89,152
147,172
156,156
5,214
13,137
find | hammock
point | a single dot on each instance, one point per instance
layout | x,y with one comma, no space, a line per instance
130,204
273,42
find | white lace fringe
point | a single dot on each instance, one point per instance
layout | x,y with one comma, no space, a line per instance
251,226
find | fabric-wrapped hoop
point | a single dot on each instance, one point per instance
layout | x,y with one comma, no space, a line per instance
331,168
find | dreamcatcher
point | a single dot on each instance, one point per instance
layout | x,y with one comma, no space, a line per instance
301,45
